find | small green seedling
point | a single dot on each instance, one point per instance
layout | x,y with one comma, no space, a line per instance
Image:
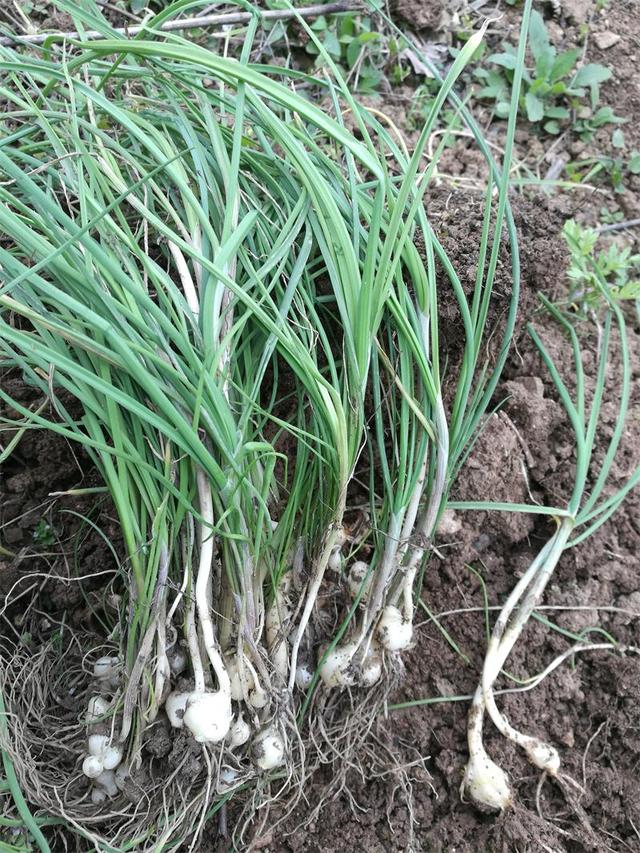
552,88
589,270
616,169
44,533
610,217
421,104
352,41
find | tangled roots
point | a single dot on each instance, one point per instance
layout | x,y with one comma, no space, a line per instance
172,785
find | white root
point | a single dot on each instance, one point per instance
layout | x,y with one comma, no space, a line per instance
96,744
356,578
335,560
394,631
208,715
542,755
107,782
240,679
92,766
371,669
338,670
107,669
100,746
525,596
175,706
97,707
258,697
484,781
304,676
240,732
112,757
335,538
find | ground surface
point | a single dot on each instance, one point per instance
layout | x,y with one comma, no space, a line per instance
589,707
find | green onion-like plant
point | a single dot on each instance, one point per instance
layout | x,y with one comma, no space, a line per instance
591,503
230,297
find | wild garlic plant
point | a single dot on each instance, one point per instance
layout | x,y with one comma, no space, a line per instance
592,502
219,289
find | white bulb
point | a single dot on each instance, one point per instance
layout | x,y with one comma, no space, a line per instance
395,632
357,573
208,716
258,698
304,676
97,707
96,744
486,783
268,749
335,560
543,755
106,667
98,796
107,781
337,670
92,766
112,757
175,705
371,670
240,732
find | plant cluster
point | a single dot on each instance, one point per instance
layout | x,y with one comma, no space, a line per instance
228,282
231,298
554,91
596,276
617,169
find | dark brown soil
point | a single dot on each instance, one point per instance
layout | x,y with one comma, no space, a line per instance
418,14
38,529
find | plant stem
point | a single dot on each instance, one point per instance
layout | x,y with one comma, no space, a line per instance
194,23
202,582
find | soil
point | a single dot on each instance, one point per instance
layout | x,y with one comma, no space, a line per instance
418,14
590,706
38,527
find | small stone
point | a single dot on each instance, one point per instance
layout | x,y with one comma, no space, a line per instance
450,523
606,39
555,32
576,11
569,739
